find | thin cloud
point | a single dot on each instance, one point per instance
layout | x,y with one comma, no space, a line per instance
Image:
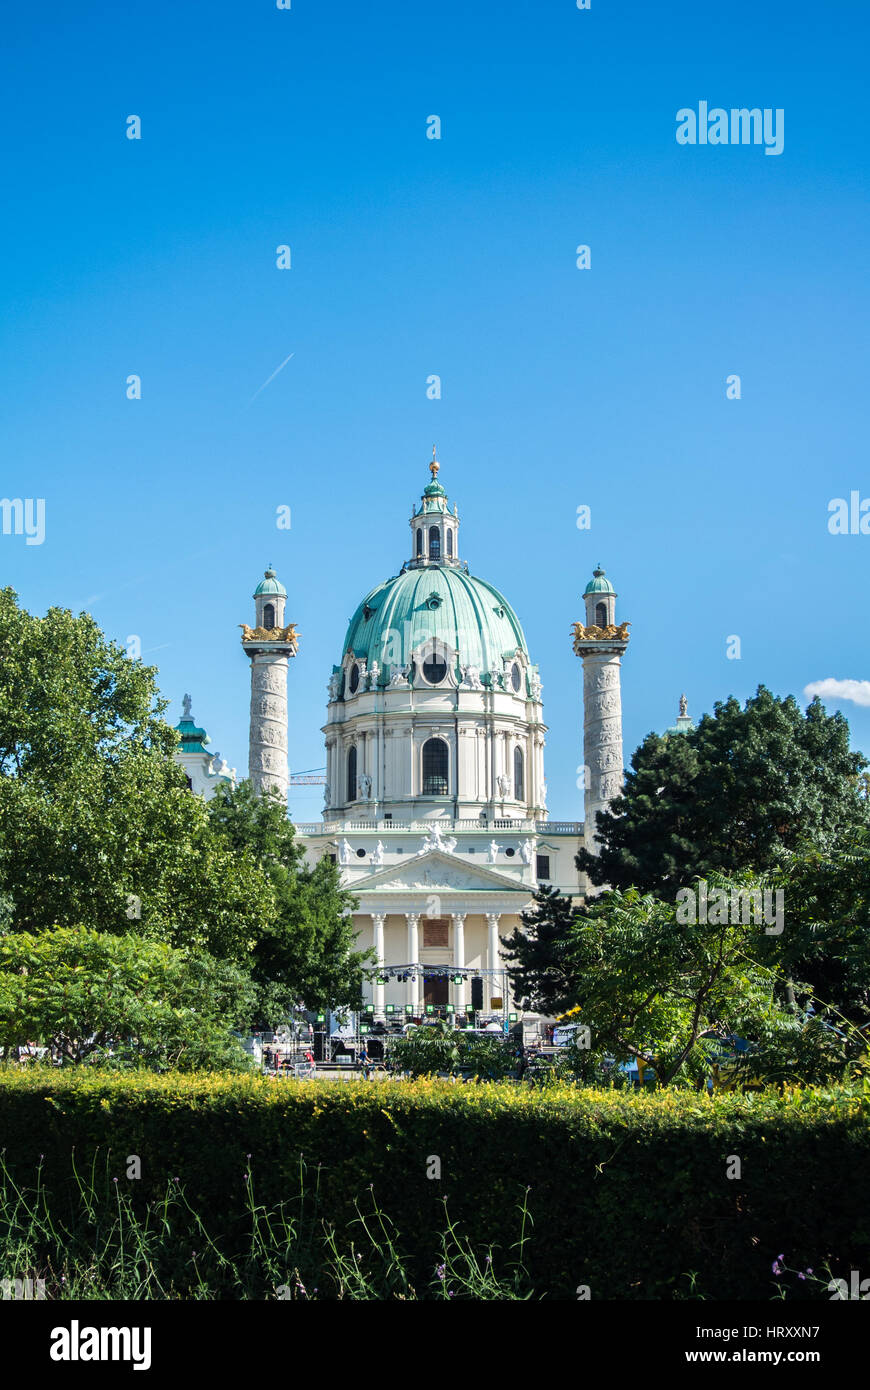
831,689
269,378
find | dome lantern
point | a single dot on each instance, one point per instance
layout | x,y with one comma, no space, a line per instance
270,597
600,599
434,528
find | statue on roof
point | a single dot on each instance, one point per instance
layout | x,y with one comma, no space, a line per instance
185,708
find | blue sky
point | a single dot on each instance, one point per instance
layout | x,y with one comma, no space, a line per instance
456,257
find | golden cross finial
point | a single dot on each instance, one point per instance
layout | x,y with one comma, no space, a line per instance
434,465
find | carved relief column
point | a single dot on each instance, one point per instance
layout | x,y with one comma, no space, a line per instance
267,744
378,919
459,1000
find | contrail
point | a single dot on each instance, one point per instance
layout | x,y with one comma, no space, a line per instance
270,378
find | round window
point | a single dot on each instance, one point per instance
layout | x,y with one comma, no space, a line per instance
516,677
434,669
360,854
354,680
510,853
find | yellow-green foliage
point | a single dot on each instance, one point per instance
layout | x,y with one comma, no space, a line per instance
628,1193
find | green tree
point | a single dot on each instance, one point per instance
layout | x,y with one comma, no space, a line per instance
739,792
94,997
305,951
97,824
827,926
667,991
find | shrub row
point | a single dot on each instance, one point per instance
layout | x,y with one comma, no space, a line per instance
626,1193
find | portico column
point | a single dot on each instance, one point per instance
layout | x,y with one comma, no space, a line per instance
413,920
378,919
459,959
492,960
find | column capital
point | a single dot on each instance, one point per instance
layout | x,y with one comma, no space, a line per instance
459,917
413,918
493,918
378,917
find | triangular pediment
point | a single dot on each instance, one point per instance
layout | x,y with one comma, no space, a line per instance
438,869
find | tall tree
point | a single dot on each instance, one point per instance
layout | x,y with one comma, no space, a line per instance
739,792
96,822
826,940
672,989
306,950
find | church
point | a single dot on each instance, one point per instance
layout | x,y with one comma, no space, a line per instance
435,800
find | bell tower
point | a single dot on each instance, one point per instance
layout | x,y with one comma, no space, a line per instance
600,645
269,645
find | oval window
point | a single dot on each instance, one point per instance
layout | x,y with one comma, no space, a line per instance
516,677
434,669
354,680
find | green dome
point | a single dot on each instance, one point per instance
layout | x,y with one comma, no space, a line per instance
192,737
434,490
270,584
441,602
599,584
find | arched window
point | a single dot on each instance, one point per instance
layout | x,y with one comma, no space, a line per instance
351,774
601,615
450,544
436,762
354,680
419,541
269,615
434,543
519,775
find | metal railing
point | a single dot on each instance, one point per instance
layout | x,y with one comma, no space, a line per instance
422,827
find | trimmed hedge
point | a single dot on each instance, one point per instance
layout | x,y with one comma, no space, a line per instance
627,1192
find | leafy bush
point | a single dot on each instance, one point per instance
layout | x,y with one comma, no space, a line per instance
426,1051
627,1193
119,1000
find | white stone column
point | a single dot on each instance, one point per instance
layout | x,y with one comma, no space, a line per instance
414,985
267,744
538,744
602,735
492,960
459,992
378,919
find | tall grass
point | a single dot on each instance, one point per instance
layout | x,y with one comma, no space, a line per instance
106,1246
